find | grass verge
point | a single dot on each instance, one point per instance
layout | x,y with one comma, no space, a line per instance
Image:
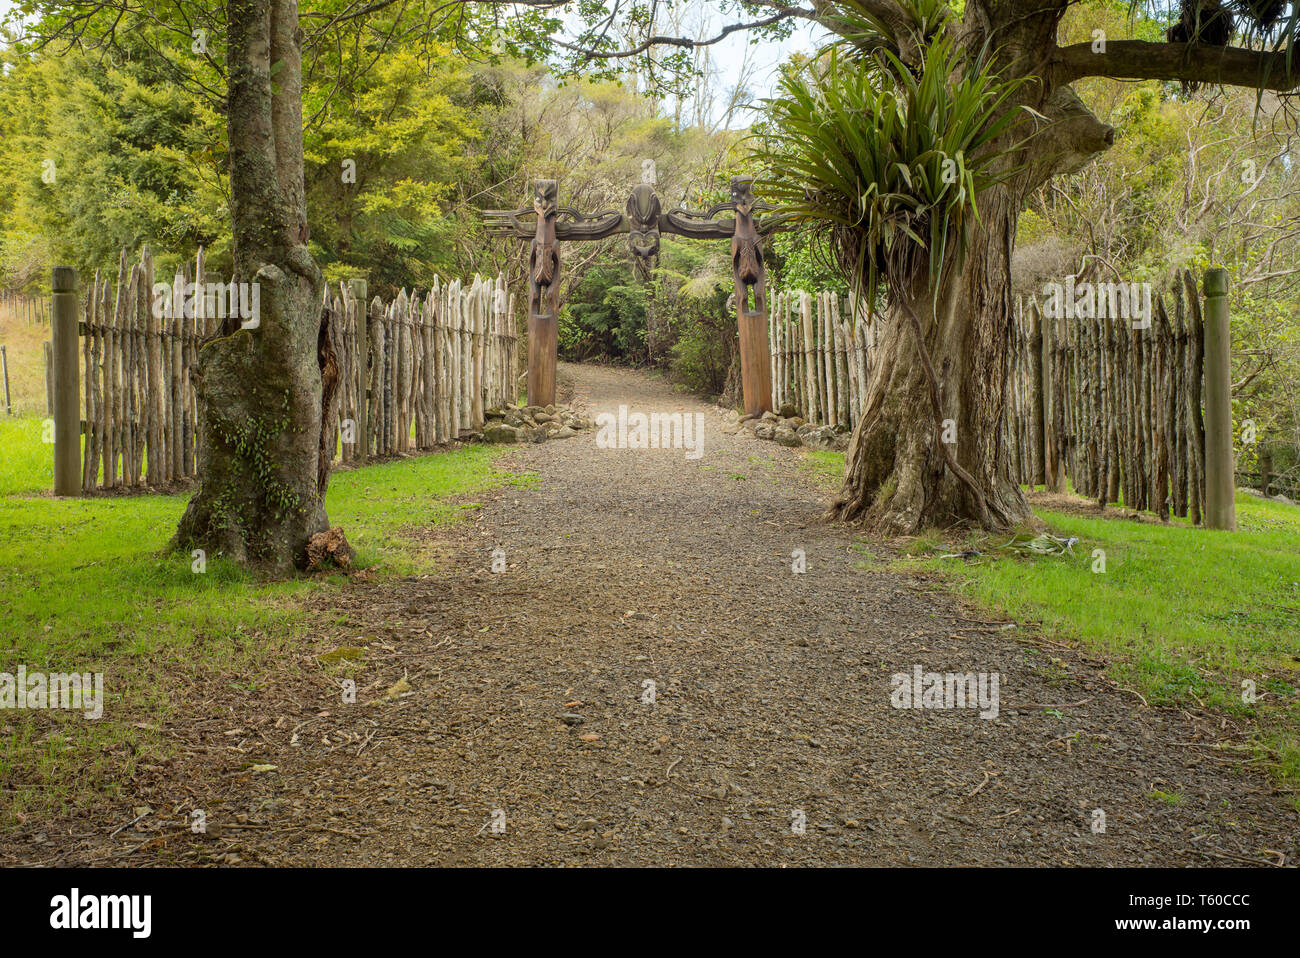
86,585
1186,616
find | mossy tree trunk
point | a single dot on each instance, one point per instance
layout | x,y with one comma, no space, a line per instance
262,402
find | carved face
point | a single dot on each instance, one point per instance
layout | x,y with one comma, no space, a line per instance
742,193
643,224
545,197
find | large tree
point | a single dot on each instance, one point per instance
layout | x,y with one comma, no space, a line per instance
262,385
949,333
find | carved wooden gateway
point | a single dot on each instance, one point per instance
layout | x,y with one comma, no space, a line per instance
644,222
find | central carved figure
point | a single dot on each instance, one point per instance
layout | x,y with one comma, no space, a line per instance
643,212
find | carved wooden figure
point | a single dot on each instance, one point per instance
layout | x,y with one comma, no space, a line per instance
750,273
643,214
543,296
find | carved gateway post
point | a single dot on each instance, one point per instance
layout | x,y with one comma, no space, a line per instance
750,274
644,221
543,296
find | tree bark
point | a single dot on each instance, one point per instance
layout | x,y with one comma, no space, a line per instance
262,464
897,477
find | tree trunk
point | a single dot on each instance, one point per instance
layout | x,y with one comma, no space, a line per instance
262,405
898,478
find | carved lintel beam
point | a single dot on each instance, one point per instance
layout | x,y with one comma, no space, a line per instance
608,224
696,226
507,223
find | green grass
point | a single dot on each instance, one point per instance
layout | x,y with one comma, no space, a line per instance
827,464
26,463
1169,798
1187,613
88,585
1183,614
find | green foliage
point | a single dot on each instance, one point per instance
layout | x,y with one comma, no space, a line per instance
605,316
678,319
140,159
382,167
1192,180
889,156
800,261
690,291
132,161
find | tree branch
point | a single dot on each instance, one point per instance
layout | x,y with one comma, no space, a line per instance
1143,60
686,42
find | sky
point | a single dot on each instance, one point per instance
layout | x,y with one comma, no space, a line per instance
765,57
700,19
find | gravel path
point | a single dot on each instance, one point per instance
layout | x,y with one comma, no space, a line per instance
771,700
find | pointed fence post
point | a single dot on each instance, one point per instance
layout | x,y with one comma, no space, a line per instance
363,353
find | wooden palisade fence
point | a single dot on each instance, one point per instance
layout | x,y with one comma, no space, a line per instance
1114,409
821,355
1117,412
435,363
33,309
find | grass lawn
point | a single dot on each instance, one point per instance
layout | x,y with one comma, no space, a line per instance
1185,615
87,585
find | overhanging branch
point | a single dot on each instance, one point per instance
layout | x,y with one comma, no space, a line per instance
686,42
1143,60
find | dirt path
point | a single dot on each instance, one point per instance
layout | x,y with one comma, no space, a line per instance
772,701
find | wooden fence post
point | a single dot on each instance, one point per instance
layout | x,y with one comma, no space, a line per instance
4,364
1265,463
47,348
1220,508
67,384
363,364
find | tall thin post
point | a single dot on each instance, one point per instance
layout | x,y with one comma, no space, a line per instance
543,296
1220,507
67,385
362,449
4,364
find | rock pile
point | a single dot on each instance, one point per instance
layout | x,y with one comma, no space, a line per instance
532,423
788,429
